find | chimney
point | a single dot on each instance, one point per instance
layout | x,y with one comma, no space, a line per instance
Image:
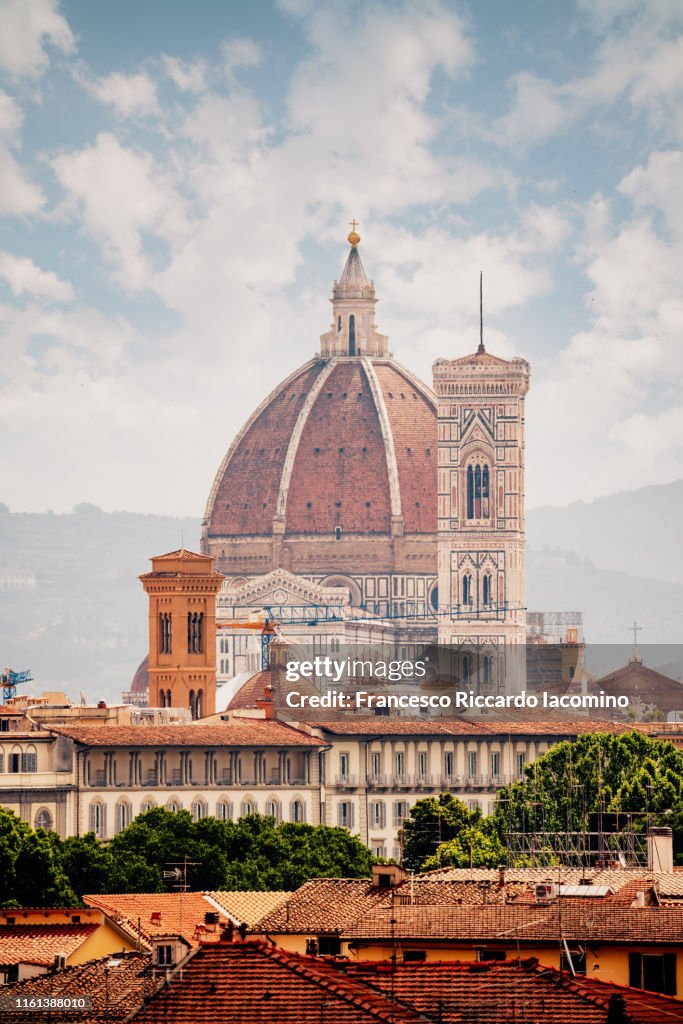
501,875
660,849
266,703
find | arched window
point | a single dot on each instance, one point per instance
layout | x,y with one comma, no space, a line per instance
466,668
173,806
478,491
162,698
487,593
168,698
488,669
147,804
199,810
195,632
43,819
199,704
248,807
298,811
164,632
122,815
98,819
224,810
467,589
352,335
192,704
273,809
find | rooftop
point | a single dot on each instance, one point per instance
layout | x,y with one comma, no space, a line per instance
251,732
521,924
116,985
164,913
323,905
41,943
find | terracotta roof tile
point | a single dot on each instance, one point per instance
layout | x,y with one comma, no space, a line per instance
41,943
522,924
179,914
374,726
254,983
247,907
323,905
116,985
514,990
252,732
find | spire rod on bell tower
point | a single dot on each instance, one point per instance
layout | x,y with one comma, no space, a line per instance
481,349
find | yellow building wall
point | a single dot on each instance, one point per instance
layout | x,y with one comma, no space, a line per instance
103,942
604,962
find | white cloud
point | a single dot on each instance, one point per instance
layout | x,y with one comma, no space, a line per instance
11,117
130,95
539,111
18,195
27,28
24,277
120,195
188,77
241,53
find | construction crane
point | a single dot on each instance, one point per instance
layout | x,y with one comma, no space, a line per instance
10,680
265,626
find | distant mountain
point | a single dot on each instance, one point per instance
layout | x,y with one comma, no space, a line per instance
638,532
84,624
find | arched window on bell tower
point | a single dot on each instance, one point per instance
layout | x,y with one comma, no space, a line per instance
467,590
352,335
487,593
478,490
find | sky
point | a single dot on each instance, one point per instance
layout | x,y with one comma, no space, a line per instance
176,185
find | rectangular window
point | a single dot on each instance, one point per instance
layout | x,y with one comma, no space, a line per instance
491,954
520,766
343,767
422,764
578,961
653,973
379,851
400,812
414,956
345,814
448,765
164,955
400,764
472,763
329,945
377,816
29,763
375,764
495,764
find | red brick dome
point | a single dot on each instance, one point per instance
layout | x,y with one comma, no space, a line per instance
336,469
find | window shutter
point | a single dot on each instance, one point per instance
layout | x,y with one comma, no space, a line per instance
634,970
669,974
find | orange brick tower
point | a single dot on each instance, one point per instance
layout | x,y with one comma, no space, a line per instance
182,588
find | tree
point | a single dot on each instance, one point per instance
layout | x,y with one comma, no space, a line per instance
433,821
31,866
627,773
477,845
87,863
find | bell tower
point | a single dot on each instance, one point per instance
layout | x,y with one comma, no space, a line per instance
481,533
182,589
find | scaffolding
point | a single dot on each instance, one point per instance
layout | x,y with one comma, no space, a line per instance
627,848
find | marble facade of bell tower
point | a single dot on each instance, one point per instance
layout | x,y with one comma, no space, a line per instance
481,532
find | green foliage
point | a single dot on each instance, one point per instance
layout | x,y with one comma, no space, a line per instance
477,845
623,773
31,864
433,821
39,869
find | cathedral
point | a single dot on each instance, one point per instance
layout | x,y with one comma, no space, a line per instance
357,504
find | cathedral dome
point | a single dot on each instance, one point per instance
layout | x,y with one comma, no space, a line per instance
336,470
